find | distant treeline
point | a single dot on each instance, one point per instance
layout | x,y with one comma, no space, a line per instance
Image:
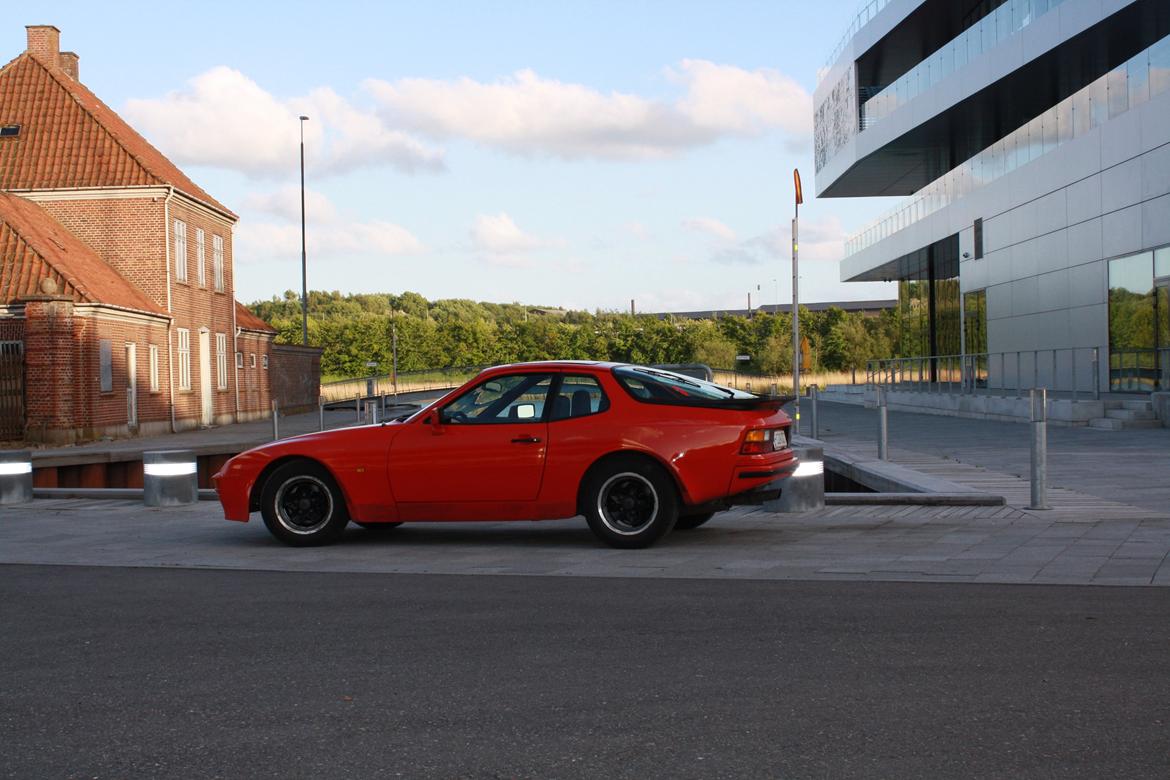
354,329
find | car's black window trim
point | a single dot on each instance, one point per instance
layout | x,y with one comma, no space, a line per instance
738,404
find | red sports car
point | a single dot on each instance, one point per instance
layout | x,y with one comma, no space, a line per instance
637,451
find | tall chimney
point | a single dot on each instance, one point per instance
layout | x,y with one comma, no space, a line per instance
69,61
44,40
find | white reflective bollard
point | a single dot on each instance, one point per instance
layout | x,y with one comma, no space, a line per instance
804,490
16,483
169,478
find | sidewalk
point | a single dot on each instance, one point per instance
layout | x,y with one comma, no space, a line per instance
1091,473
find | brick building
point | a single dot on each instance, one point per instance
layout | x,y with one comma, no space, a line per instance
117,308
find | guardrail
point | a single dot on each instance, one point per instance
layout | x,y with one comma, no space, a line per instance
1076,371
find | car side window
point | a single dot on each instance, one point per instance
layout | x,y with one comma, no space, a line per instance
578,396
515,398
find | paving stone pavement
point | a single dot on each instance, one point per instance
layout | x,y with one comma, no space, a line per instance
898,543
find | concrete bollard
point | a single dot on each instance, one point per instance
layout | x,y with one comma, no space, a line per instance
169,478
1039,416
804,491
16,482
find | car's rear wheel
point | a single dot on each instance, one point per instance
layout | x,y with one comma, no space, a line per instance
629,502
377,526
302,505
687,522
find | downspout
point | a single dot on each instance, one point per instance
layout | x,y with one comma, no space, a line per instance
235,325
171,326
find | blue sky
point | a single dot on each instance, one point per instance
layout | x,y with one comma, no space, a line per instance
553,153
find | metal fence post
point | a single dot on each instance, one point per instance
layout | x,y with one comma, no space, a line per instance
1096,374
812,418
1039,400
357,404
275,421
883,425
320,414
1019,377
1074,374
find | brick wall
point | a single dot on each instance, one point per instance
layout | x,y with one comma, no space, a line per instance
255,385
135,235
64,399
295,376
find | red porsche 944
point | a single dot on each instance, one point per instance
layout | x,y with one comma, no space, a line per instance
638,451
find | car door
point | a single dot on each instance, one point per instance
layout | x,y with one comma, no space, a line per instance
489,445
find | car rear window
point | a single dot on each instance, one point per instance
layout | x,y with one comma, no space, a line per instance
653,385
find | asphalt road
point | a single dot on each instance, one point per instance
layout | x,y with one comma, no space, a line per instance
121,672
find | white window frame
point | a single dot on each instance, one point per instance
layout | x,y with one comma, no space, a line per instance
264,362
154,368
217,261
180,250
201,257
251,360
184,358
239,360
221,361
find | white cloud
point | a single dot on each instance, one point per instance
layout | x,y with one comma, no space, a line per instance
226,120
501,237
712,227
821,240
527,114
637,230
328,232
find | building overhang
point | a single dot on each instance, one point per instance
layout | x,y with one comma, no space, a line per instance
987,99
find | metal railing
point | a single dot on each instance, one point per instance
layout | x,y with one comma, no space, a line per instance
1076,371
1139,370
864,15
407,382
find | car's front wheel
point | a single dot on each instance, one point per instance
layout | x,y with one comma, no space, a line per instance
629,502
302,505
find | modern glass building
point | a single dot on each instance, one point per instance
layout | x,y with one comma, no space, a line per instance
1030,141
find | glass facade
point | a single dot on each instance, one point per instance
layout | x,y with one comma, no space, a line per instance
1127,86
975,322
1139,321
928,327
994,28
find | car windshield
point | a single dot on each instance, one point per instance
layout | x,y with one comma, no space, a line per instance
654,384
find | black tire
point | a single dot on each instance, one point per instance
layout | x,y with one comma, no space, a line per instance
377,527
687,522
629,502
302,505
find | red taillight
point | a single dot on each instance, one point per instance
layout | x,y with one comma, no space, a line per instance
759,441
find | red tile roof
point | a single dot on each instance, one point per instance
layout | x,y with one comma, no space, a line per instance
247,320
34,246
70,138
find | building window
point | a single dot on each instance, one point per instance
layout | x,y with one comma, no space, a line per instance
239,360
153,368
252,360
184,359
979,239
264,362
9,131
217,261
1139,322
105,366
221,360
200,257
180,250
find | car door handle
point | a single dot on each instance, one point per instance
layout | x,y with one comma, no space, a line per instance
526,440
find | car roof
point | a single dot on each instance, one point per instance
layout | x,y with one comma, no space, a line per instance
553,365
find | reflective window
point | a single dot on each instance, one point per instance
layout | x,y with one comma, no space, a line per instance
1131,302
578,396
516,398
975,322
1162,262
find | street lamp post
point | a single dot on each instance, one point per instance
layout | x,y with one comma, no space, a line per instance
796,300
304,260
